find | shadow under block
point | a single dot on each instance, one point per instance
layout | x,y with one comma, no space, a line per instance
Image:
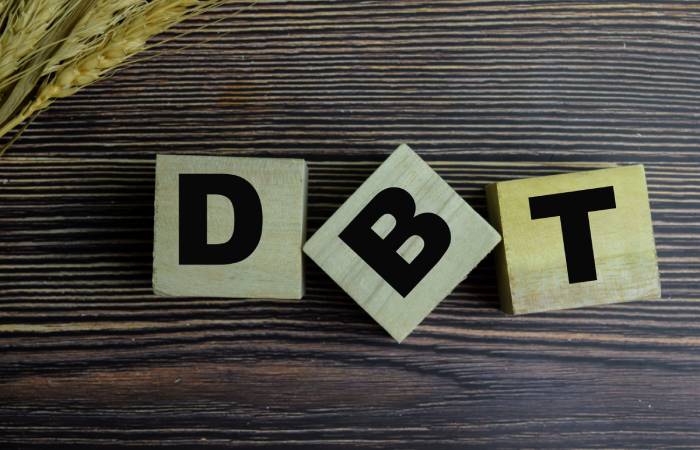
542,269
457,238
274,267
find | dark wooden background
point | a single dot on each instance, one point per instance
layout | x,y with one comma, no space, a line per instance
485,91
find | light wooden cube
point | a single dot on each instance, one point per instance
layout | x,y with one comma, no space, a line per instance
264,236
370,248
600,250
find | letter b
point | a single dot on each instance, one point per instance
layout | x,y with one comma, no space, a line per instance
382,253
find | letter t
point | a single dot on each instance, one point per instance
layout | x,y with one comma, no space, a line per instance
572,208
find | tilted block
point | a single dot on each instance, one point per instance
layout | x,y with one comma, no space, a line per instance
229,227
401,243
574,240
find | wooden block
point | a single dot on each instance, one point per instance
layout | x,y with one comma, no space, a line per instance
401,242
229,227
574,240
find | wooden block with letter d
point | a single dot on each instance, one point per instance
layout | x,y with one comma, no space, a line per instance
574,240
229,227
401,243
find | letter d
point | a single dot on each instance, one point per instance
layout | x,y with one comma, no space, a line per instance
193,191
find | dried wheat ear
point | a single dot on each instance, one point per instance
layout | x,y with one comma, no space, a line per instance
50,49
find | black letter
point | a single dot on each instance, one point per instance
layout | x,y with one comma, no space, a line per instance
381,254
194,189
572,209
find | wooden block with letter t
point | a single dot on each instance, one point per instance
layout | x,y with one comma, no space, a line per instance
229,227
401,243
574,240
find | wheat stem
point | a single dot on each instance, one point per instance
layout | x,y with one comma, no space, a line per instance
123,41
85,40
90,31
19,93
27,23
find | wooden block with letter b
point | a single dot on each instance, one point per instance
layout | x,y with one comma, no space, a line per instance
574,240
401,243
229,227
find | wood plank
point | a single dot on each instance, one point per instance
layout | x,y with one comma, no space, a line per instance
487,91
87,343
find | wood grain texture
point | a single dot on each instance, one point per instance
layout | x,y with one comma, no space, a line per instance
485,91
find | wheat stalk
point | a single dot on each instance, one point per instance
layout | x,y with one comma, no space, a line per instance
127,39
91,29
124,41
3,10
27,23
81,41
